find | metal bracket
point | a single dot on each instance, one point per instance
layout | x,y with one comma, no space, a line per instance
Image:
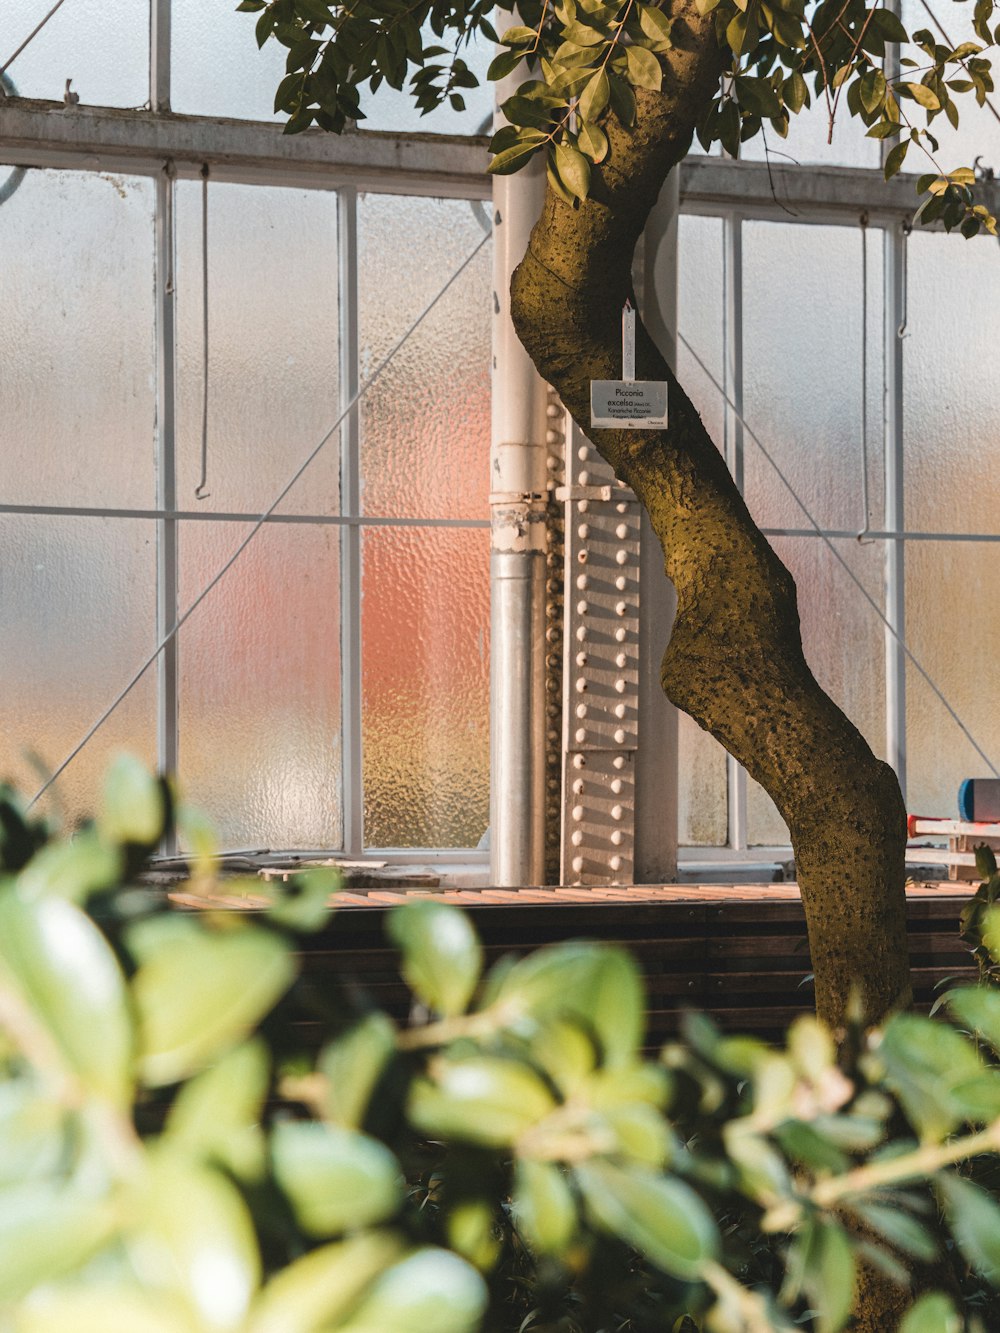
601,676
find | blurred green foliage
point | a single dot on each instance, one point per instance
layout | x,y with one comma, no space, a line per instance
174,1160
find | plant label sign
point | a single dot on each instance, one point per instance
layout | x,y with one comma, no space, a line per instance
628,402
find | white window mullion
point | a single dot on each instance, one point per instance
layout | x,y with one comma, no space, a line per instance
350,537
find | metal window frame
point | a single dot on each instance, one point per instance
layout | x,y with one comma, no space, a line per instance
157,143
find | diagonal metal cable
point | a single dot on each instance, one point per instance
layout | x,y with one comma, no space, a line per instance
258,524
31,36
907,651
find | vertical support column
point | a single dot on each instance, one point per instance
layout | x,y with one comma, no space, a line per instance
733,383
159,55
656,758
518,502
350,533
894,521
894,271
166,477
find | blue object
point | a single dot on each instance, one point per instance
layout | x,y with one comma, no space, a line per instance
979,800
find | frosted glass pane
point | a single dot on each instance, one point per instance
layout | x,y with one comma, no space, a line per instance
702,796
978,132
392,110
76,341
700,311
425,664
260,726
702,804
426,420
802,360
844,645
951,416
273,347
953,629
102,45
77,618
807,141
216,68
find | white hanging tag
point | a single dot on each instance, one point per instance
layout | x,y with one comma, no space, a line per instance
628,343
628,402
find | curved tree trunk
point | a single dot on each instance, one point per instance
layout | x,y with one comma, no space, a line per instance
734,661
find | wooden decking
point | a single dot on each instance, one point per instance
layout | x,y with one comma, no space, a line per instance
738,952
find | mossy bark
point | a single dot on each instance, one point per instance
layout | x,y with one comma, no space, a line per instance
734,661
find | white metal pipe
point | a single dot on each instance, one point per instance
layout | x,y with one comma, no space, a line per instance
518,503
656,776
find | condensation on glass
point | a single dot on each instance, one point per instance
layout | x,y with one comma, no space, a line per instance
426,421
702,797
77,400
260,722
954,632
425,718
951,411
102,45
77,618
803,345
273,347
843,640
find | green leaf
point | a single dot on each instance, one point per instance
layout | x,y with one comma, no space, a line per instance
736,32
974,1218
132,806
821,1263
304,902
656,26
543,1206
483,1099
873,90
337,1180
978,1009
352,1066
64,974
429,1289
887,25
593,142
573,169
594,97
932,1069
319,1290
214,1117
512,159
622,100
795,92
923,95
45,1232
900,1229
518,36
503,64
661,1217
73,869
442,956
101,1307
595,986
195,1239
644,69
894,159
933,1313
195,1004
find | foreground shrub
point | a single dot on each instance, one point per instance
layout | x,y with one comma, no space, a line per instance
171,1160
